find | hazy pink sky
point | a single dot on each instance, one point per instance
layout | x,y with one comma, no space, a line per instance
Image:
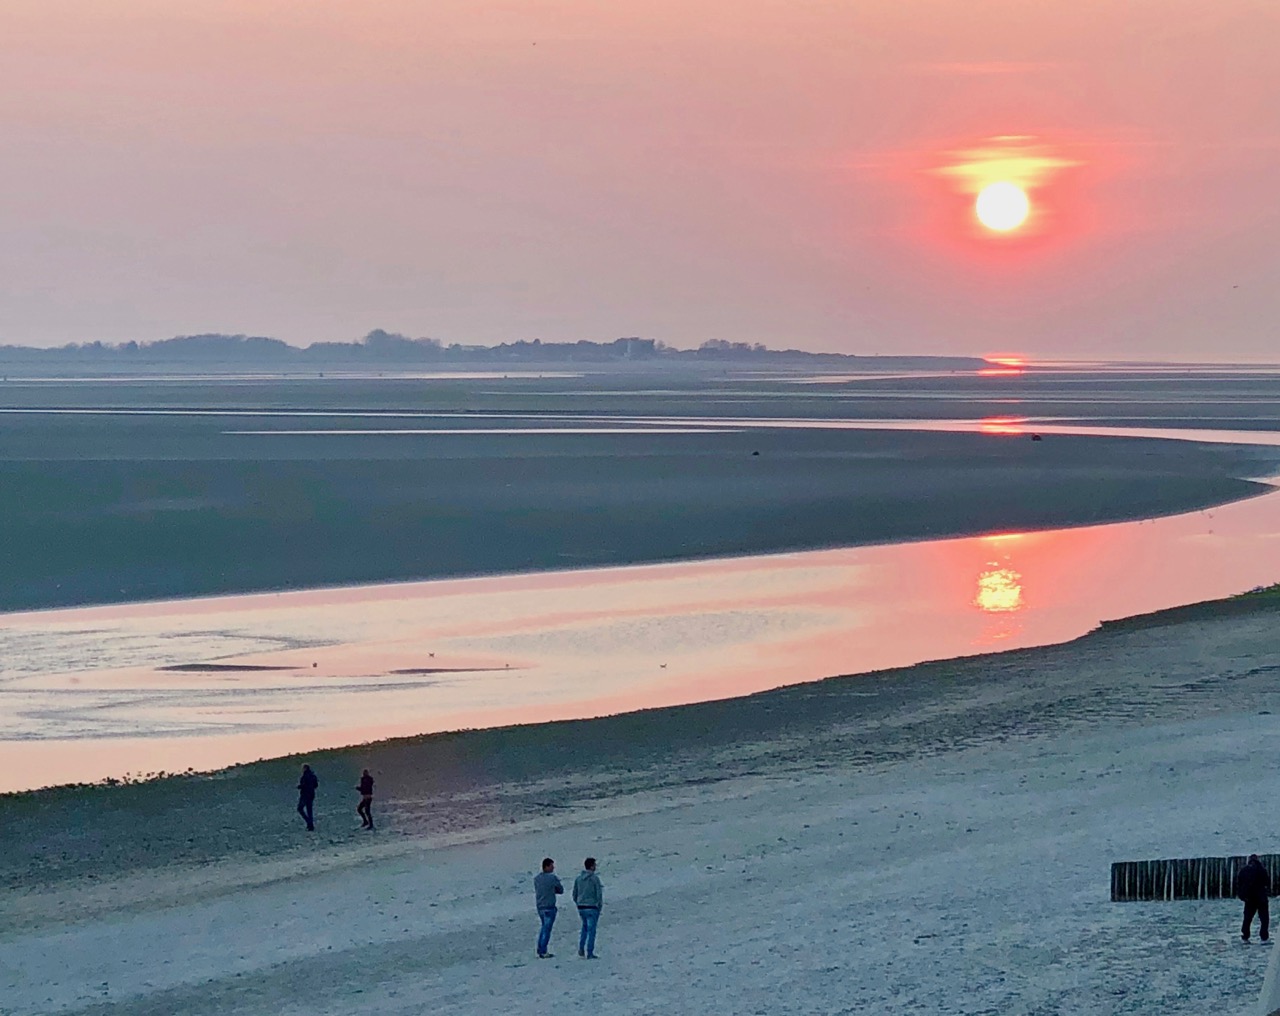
763,170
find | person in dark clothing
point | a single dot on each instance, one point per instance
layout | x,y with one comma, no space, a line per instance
1253,886
307,797
365,808
546,887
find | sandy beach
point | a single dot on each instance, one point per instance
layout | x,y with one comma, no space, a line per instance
935,838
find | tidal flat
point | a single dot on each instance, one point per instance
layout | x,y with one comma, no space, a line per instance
125,490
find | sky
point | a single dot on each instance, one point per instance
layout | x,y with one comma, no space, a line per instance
794,172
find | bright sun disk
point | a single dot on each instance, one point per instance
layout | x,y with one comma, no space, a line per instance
1002,206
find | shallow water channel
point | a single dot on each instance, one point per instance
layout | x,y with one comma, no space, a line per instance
106,691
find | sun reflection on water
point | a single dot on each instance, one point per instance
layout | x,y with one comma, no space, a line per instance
1000,595
999,590
1003,425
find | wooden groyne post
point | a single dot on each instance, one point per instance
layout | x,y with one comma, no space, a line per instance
1189,878
1269,1000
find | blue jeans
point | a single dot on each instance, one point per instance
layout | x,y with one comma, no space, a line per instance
544,933
587,940
305,805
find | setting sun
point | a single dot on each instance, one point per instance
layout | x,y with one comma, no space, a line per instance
1002,206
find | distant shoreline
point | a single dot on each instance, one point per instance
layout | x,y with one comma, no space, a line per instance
380,349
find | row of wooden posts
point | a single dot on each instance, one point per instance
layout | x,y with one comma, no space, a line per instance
1191,878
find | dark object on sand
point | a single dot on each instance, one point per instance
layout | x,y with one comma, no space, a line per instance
218,668
1036,437
755,453
1195,878
307,785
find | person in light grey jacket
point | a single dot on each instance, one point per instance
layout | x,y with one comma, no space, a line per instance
546,887
588,894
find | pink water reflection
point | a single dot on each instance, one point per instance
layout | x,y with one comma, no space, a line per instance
85,695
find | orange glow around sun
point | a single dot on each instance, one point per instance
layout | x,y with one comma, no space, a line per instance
1006,185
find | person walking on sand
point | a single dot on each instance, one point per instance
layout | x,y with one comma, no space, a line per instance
546,887
307,797
588,894
365,808
1253,886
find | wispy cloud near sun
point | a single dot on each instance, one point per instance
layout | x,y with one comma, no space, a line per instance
1022,159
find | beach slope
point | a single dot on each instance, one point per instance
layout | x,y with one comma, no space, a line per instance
930,839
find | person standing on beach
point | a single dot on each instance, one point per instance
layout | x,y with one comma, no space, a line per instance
307,797
365,808
588,894
1253,886
546,887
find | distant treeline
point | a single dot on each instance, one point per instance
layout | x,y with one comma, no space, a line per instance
382,347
